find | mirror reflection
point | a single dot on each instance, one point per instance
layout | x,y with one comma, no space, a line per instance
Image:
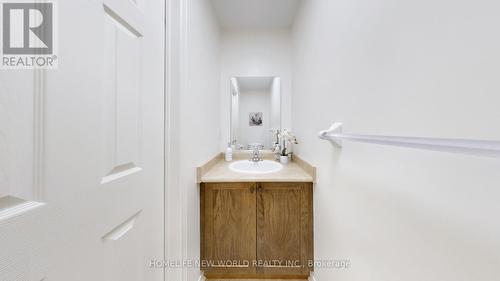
255,111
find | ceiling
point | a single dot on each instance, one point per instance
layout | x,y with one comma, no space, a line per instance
254,83
246,14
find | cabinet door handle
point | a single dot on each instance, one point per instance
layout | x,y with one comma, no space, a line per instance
252,189
259,188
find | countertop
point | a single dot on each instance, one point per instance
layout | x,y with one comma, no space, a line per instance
217,170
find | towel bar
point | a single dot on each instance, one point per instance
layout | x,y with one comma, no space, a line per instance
472,147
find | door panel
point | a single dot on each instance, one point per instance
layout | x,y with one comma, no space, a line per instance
124,180
228,227
123,47
19,106
88,137
284,228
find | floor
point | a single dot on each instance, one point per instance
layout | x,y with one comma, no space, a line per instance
256,279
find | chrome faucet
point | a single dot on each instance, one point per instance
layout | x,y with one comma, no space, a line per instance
277,151
255,156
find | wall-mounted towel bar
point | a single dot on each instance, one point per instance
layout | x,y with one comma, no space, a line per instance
473,147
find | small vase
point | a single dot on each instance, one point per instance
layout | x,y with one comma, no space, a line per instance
284,159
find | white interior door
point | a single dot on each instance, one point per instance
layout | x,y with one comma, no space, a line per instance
82,150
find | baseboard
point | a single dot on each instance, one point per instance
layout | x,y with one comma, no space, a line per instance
202,278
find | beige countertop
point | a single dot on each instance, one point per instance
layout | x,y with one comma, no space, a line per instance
217,170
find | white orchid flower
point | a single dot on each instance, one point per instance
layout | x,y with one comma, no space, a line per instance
288,136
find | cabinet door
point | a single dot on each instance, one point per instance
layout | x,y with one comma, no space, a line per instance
284,229
228,225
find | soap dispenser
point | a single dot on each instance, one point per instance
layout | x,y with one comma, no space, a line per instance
229,153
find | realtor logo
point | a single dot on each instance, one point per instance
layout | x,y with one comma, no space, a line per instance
28,35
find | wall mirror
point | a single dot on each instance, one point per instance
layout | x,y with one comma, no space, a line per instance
255,111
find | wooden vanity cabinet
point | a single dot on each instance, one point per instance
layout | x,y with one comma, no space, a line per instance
256,230
228,228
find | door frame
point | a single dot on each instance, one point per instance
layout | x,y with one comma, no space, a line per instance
175,207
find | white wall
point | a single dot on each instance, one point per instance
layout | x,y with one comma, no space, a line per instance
199,130
255,101
263,53
415,68
193,120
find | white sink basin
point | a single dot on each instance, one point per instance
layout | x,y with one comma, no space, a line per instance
249,167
